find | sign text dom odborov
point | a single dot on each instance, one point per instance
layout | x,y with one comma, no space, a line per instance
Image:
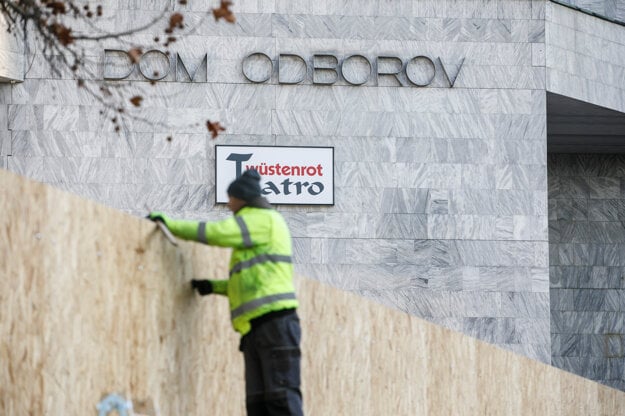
324,68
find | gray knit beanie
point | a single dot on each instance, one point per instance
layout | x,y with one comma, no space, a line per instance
246,186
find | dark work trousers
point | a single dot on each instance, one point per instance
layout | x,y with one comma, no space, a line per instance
272,365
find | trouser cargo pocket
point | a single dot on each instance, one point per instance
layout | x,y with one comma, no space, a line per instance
285,366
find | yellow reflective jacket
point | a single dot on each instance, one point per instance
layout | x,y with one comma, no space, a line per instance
261,269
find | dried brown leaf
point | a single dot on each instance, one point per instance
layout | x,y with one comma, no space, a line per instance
224,12
136,100
57,7
135,54
214,128
175,22
62,33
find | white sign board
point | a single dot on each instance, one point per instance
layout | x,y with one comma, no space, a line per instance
289,175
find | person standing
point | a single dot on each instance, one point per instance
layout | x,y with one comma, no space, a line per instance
260,292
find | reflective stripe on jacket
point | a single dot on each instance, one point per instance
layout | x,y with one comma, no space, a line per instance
261,269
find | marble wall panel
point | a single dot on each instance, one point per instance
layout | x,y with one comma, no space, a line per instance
31,167
5,143
585,57
5,135
587,273
609,9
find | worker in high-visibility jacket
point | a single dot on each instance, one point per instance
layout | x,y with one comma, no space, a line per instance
260,292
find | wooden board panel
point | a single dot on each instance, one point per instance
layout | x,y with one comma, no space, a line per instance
93,301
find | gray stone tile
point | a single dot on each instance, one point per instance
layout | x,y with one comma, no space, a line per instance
175,171
614,371
365,251
25,117
336,224
437,202
477,304
402,226
305,123
494,330
197,198
589,300
415,150
499,253
527,152
365,174
5,93
30,167
566,322
455,324
563,299
567,276
604,188
483,30
307,250
573,254
348,199
520,126
529,305
421,302
514,202
612,256
539,352
5,143
364,149
504,228
609,322
404,201
475,176
532,331
573,209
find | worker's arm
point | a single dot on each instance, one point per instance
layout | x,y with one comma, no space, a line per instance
184,229
226,233
206,287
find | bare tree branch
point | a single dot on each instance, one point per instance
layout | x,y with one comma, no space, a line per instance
49,23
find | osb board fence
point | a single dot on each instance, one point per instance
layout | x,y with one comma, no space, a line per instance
94,301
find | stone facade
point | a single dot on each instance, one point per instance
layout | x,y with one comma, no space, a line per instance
441,192
440,206
585,61
585,57
608,9
587,242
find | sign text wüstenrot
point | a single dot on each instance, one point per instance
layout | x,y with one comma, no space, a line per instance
289,175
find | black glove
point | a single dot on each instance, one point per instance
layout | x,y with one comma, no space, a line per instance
203,287
157,216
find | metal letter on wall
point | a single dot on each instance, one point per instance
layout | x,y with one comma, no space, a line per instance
381,60
285,72
324,64
180,65
108,53
351,70
452,80
422,64
255,67
156,75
